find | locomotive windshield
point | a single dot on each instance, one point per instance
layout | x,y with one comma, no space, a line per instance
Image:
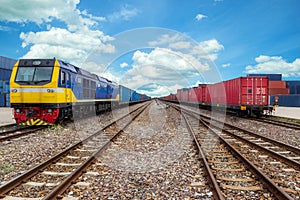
34,75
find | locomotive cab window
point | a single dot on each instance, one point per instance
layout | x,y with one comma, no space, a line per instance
63,77
34,75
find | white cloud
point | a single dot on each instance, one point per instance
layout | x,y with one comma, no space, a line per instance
164,67
45,11
275,64
226,65
166,40
5,28
199,17
124,64
71,46
160,90
207,49
126,13
180,45
73,43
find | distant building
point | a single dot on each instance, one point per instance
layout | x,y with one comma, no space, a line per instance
6,65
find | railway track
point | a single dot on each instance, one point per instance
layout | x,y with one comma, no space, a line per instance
14,131
133,166
50,178
278,161
286,124
235,176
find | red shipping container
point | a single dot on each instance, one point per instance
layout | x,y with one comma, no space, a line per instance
194,95
273,91
185,96
277,84
239,92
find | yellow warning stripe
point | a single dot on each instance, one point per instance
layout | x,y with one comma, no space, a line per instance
34,121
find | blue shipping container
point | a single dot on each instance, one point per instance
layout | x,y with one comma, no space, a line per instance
294,86
1,84
272,77
2,100
136,96
6,87
7,99
7,63
125,94
5,74
286,100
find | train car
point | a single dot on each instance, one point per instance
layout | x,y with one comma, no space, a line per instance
136,96
125,94
44,91
243,95
249,95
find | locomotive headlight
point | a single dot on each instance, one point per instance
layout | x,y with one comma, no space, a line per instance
18,110
50,90
49,110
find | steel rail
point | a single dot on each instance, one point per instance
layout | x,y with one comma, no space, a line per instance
31,172
279,123
280,144
64,185
212,180
273,188
20,134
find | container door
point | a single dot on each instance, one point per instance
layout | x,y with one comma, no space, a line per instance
261,86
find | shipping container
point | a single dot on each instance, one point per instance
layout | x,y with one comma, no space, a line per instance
136,96
7,100
277,84
2,100
6,87
125,94
194,95
286,100
178,95
272,77
7,63
273,91
294,86
184,95
243,91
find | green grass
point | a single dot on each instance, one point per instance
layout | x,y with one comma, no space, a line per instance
6,168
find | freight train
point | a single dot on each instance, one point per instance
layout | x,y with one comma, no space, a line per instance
244,95
45,91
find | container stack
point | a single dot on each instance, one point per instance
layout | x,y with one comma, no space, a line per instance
6,65
283,93
278,87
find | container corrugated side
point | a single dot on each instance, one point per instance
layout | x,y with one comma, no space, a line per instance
7,63
194,95
6,87
277,84
5,74
272,77
286,100
273,91
2,100
294,86
7,100
185,96
125,94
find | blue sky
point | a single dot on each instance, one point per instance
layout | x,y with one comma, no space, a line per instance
189,42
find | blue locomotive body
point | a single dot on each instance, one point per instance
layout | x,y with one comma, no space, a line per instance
50,89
